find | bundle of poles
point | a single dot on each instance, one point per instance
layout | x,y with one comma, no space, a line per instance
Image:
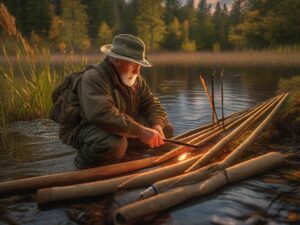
166,177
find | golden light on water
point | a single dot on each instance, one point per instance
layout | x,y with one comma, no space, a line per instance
182,157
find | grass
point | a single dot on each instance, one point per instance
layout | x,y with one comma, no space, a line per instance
286,125
26,80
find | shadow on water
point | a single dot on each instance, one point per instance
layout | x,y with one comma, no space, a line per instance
273,198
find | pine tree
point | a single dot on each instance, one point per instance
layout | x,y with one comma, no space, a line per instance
105,34
205,26
149,24
128,15
235,13
173,37
171,11
34,16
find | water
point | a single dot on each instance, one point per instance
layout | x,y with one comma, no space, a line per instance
273,198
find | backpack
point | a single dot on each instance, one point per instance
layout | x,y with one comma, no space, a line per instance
65,109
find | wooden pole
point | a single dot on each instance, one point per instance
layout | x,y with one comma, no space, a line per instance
178,195
202,173
149,177
209,99
208,136
74,177
222,97
213,98
214,151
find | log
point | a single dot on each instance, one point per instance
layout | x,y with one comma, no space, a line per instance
74,177
178,195
96,188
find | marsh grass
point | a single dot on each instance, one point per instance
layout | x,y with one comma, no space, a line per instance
26,88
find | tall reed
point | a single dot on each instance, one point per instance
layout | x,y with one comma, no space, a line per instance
26,87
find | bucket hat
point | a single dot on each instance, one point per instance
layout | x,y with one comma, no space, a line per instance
127,47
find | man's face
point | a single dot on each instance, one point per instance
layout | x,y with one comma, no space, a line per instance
128,71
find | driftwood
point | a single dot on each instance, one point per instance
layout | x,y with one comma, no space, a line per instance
204,172
178,195
150,177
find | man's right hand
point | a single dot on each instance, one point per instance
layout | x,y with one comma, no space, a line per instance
151,137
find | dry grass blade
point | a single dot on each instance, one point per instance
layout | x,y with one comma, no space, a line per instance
8,22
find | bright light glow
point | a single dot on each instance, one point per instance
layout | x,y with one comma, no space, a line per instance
182,157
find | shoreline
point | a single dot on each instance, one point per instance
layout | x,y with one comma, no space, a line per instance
237,59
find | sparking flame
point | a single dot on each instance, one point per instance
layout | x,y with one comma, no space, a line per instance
182,157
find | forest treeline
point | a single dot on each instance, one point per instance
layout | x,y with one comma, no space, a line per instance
70,25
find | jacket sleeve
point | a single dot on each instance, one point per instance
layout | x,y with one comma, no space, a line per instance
151,107
99,107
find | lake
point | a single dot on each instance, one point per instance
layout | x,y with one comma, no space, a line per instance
272,198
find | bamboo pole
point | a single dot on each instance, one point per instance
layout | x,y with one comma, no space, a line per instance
96,188
102,187
208,136
209,99
213,152
74,177
213,98
149,177
178,195
222,99
204,172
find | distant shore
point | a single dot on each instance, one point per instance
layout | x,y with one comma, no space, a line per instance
284,58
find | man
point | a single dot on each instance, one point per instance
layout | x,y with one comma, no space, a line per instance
117,106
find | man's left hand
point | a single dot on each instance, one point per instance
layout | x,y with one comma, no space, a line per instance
159,129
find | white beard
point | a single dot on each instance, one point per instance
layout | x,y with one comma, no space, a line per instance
128,80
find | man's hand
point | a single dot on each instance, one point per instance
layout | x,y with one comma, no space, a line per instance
151,137
159,129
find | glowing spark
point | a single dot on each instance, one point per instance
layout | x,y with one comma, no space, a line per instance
182,157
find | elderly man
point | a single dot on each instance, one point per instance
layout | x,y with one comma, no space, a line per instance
117,106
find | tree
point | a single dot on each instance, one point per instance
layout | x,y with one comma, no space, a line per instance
268,24
149,24
70,29
172,8
173,37
219,20
34,16
187,44
205,26
235,13
128,15
105,34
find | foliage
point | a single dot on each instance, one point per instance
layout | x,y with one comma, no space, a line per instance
105,34
249,24
149,23
70,30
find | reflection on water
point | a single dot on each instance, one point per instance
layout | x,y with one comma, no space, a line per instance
273,198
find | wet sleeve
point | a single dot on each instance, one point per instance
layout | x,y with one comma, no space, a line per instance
151,107
100,109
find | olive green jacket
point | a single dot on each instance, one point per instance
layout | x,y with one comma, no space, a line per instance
112,106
